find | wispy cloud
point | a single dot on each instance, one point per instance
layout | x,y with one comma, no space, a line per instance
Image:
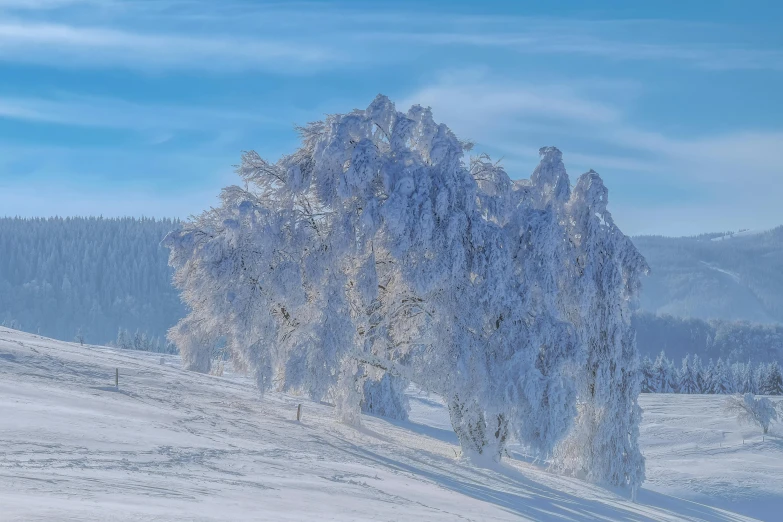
121,114
463,99
71,45
302,37
33,5
706,56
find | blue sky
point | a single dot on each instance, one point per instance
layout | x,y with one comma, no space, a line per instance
141,108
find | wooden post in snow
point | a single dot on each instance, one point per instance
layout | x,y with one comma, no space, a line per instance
299,413
116,377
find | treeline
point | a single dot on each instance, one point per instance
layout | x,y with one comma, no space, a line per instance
87,277
721,377
143,342
730,340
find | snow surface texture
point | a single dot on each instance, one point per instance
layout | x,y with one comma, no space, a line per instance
176,445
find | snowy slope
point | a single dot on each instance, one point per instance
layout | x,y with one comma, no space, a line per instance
695,451
731,277
175,445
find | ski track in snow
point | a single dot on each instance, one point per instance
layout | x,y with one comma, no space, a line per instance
176,445
733,275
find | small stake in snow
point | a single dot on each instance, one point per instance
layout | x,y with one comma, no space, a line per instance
116,377
299,413
633,493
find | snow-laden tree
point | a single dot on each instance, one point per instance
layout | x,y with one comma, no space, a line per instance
604,443
662,371
648,377
674,376
698,371
688,380
708,376
375,256
744,377
721,380
752,410
722,377
770,379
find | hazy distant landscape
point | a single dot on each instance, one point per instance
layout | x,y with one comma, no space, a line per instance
715,276
716,295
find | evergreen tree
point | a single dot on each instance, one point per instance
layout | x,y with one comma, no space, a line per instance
648,376
698,373
688,382
709,377
770,379
663,378
775,380
673,376
763,379
721,379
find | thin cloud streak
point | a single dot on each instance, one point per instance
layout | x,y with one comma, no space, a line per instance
289,44
710,57
471,100
121,114
68,45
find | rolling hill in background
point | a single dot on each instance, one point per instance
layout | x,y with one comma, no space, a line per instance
735,277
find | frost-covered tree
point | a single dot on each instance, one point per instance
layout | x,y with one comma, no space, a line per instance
385,396
717,378
769,379
79,337
648,377
674,376
142,341
752,410
688,381
698,372
374,256
744,377
708,377
662,370
721,381
604,443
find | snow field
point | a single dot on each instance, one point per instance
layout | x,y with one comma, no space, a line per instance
176,445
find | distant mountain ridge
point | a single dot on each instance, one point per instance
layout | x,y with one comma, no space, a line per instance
726,276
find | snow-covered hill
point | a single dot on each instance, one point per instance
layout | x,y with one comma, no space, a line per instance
176,445
715,276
